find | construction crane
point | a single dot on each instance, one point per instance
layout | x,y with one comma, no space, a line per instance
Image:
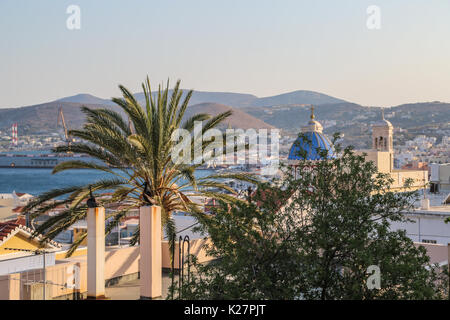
61,120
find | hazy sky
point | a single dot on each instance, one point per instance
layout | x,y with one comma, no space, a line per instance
249,46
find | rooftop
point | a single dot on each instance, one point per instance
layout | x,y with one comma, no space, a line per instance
130,290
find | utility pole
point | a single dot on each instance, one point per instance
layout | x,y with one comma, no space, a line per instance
45,276
118,235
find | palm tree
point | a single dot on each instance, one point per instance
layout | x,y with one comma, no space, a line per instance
136,155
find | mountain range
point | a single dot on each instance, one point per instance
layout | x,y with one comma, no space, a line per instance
42,118
288,111
238,100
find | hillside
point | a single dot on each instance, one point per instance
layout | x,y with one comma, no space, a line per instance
226,98
292,117
42,118
288,111
296,97
353,120
237,100
238,119
85,98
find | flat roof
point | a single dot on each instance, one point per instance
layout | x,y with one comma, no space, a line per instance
435,210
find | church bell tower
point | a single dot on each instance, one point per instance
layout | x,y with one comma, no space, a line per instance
382,135
382,143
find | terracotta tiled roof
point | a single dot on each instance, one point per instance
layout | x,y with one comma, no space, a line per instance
9,229
21,220
279,199
18,209
6,228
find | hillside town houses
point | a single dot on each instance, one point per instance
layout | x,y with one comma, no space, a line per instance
122,261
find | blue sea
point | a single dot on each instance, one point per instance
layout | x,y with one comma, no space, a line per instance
38,181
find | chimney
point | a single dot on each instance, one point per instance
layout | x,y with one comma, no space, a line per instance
96,253
150,264
425,204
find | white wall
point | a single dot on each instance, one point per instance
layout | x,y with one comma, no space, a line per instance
429,227
26,263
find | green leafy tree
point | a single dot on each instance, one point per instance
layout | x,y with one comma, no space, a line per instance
314,237
257,253
135,153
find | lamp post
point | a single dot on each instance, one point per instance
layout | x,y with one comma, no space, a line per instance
96,249
118,234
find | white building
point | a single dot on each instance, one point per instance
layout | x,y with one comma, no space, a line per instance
428,222
440,176
9,201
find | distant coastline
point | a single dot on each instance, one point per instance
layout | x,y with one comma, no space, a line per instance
38,159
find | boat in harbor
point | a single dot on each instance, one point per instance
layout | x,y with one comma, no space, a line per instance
46,160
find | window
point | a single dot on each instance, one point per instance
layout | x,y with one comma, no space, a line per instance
429,241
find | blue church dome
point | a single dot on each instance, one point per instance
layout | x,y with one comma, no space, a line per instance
314,142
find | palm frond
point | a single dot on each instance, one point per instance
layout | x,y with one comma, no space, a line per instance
76,244
133,157
78,164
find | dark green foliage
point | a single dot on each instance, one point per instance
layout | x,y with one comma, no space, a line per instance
314,237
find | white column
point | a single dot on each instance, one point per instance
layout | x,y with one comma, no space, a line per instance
448,260
96,253
150,264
